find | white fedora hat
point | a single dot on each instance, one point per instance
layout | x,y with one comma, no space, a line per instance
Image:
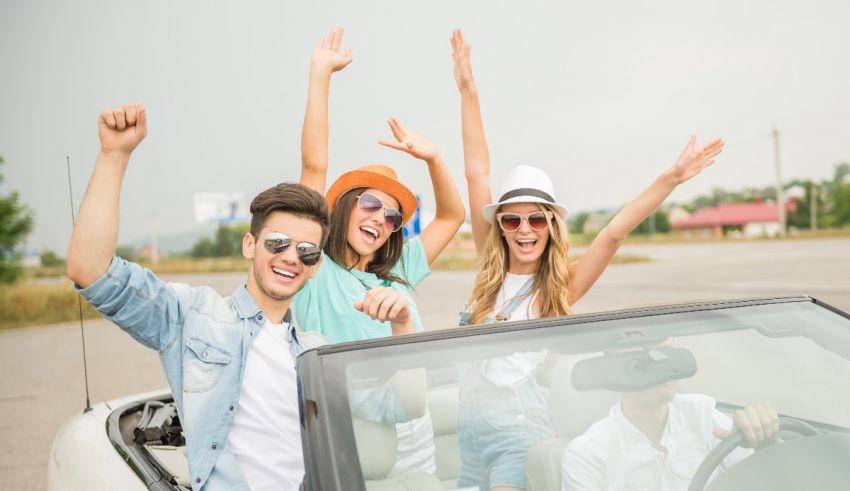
525,184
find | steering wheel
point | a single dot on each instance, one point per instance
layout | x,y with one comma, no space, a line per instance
725,447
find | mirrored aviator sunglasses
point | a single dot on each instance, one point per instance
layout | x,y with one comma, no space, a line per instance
511,222
370,204
277,242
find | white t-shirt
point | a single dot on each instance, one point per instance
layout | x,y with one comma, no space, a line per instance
510,287
508,370
266,434
614,455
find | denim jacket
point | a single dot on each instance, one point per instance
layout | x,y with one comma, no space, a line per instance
203,341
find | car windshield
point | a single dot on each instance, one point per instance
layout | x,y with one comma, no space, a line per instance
571,401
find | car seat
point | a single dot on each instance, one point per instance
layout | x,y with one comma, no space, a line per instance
571,413
377,445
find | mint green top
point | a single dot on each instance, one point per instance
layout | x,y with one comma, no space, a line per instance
326,303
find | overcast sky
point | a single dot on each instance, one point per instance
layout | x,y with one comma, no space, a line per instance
602,95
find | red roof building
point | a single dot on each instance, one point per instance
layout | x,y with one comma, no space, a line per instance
739,219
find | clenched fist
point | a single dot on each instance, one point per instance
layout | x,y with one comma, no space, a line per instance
385,304
122,129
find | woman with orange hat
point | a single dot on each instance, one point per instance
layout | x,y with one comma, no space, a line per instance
526,274
367,265
363,288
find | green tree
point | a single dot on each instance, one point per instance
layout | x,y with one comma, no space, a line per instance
801,217
204,247
127,252
840,200
50,259
577,222
662,224
16,221
837,201
228,241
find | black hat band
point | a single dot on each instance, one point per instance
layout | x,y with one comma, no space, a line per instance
526,192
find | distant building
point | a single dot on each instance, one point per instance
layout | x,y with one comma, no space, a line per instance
677,214
732,219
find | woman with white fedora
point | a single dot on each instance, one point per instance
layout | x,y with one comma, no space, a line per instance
525,274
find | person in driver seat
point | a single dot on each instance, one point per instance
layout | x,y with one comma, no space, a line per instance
657,438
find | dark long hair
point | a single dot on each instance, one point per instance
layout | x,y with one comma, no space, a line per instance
338,249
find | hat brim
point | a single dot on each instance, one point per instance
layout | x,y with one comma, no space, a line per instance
365,179
490,210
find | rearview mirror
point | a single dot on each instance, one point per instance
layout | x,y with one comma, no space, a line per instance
632,371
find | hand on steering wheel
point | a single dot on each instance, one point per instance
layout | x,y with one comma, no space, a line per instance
724,448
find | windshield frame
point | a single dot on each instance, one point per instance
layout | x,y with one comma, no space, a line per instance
330,453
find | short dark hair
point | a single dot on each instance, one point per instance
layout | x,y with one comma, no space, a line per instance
338,249
292,198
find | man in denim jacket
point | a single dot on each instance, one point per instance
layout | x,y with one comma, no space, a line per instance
229,361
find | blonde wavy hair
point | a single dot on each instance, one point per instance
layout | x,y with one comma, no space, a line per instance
551,281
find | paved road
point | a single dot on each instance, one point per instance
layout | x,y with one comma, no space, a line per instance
42,381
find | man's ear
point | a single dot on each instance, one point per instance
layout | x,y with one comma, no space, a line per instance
316,267
248,243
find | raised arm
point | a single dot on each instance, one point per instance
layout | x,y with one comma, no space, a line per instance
326,60
476,156
450,213
95,234
589,268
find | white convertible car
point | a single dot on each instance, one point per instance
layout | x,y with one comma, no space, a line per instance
790,353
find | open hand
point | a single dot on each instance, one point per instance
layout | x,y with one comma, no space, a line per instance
758,423
411,143
327,57
695,158
121,129
460,54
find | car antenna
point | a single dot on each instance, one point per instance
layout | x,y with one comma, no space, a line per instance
79,298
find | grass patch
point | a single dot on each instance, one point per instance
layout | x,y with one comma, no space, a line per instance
452,260
186,265
173,265
29,303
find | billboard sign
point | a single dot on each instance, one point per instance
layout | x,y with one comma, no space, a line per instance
221,208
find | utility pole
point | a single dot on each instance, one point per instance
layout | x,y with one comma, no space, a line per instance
780,195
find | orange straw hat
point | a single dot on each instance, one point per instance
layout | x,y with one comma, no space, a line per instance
378,177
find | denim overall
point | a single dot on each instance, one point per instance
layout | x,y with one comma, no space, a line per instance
497,423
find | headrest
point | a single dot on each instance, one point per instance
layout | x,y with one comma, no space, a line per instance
572,412
444,406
